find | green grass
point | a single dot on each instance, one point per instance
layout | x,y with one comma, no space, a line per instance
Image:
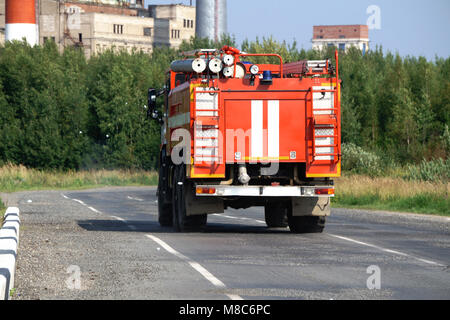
392,194
422,203
352,191
18,178
2,212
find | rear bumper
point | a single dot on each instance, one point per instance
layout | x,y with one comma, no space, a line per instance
265,191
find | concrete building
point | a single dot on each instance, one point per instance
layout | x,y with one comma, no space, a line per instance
98,25
341,36
173,23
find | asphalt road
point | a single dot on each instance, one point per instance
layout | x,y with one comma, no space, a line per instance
107,244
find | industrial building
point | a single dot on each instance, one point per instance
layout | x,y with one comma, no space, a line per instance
341,36
99,25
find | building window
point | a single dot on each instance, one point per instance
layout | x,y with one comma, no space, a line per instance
188,23
175,34
319,37
341,46
148,32
80,37
118,28
341,37
48,39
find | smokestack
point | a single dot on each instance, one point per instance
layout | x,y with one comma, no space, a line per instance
20,20
211,16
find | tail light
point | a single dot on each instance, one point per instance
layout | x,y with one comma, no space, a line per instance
325,191
202,190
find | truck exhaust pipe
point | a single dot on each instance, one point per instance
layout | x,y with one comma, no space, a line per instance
243,178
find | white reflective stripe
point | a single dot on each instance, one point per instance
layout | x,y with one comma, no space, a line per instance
179,120
273,128
257,129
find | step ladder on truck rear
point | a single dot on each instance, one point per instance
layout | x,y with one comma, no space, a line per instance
236,133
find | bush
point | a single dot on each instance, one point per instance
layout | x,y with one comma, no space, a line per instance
356,160
434,171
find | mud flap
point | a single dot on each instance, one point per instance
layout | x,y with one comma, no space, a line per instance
318,207
202,205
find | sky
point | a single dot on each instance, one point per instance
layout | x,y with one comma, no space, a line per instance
409,27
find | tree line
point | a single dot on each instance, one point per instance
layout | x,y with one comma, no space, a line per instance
63,111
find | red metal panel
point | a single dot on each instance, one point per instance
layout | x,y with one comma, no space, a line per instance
292,130
237,121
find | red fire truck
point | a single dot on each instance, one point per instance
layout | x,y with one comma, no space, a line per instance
237,134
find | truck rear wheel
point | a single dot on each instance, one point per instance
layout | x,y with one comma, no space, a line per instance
182,222
276,215
306,224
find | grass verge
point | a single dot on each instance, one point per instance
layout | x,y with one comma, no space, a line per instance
352,191
392,194
19,178
2,212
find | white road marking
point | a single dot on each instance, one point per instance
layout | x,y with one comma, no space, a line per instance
132,227
200,269
134,198
97,211
354,241
387,250
93,209
79,201
239,218
118,218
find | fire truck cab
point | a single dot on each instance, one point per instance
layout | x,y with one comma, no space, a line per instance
237,134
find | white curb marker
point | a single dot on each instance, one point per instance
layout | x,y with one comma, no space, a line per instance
9,234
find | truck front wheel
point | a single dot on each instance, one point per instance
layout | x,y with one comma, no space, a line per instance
164,208
182,222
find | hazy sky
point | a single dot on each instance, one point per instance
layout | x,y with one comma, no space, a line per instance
410,27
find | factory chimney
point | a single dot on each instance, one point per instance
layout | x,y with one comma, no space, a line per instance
211,19
20,20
